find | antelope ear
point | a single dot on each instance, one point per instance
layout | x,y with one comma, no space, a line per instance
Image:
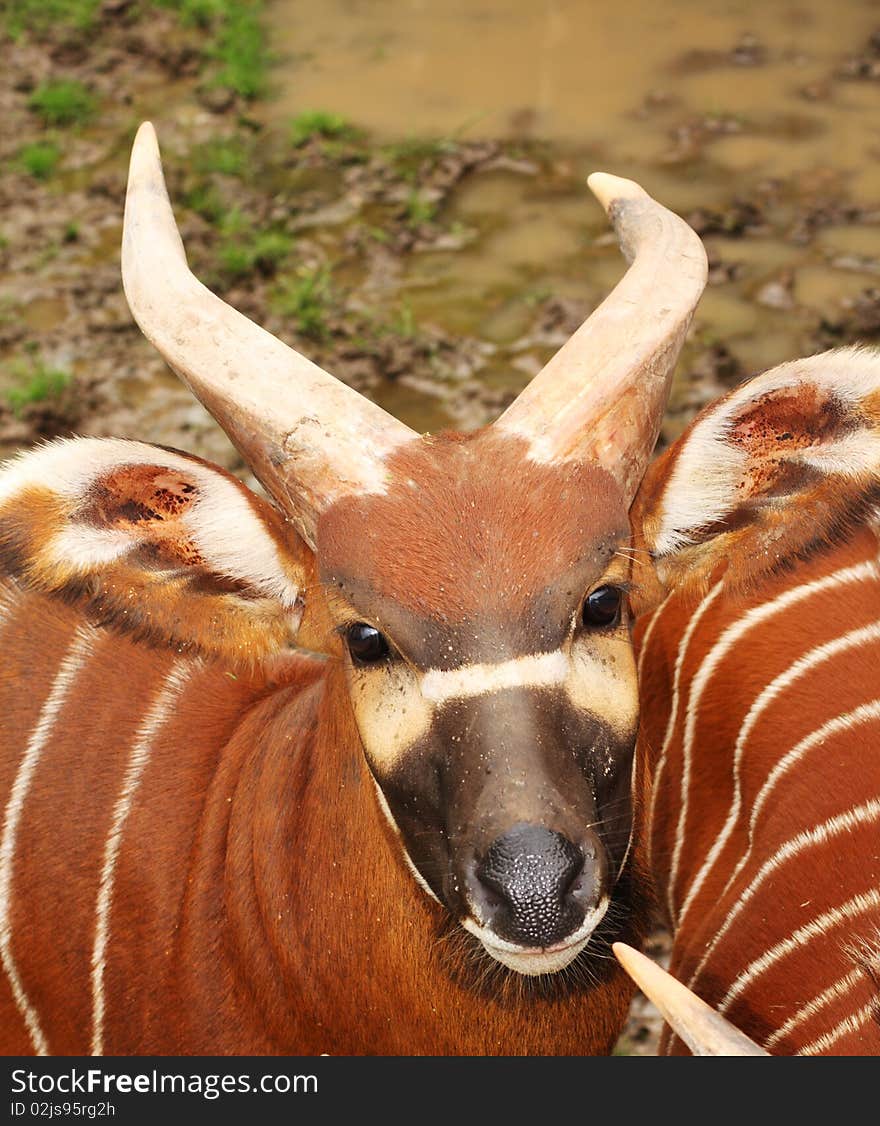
154,543
784,463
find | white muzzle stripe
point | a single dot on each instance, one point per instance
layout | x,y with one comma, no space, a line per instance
539,670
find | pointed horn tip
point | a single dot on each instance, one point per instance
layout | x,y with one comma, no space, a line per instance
630,958
145,140
705,1031
145,158
652,979
608,189
145,129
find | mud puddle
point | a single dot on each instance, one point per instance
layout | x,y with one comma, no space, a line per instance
715,107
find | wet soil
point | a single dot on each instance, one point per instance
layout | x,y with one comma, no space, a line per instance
435,274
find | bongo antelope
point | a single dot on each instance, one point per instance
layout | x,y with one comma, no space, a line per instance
759,662
350,772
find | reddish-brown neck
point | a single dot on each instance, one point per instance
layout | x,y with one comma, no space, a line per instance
322,986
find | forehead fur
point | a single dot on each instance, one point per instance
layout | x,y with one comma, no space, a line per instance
471,526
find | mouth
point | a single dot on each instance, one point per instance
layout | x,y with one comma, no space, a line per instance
531,961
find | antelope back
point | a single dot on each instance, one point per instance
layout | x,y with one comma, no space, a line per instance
759,646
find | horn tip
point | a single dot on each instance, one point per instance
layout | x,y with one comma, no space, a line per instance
146,135
608,189
145,158
630,959
651,978
705,1031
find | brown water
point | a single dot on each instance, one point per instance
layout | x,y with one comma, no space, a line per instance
582,73
567,70
606,85
702,101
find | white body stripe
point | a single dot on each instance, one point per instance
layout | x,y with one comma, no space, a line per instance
634,777
646,636
848,1024
140,754
785,680
729,638
77,654
865,713
858,905
540,670
844,822
673,711
840,988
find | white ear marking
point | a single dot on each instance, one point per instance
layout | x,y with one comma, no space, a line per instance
222,523
701,487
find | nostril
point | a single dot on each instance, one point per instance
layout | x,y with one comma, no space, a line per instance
573,869
492,894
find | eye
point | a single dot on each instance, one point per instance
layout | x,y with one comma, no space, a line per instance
602,607
366,644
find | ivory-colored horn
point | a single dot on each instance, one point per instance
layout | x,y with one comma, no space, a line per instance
706,1032
308,438
602,396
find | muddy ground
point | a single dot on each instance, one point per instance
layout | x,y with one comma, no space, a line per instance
315,236
314,233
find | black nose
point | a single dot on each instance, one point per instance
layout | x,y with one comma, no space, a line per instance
527,878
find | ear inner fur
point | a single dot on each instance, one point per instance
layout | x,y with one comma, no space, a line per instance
805,433
155,544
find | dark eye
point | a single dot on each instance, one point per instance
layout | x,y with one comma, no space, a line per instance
366,644
602,607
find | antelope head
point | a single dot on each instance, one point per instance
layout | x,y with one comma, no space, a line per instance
474,585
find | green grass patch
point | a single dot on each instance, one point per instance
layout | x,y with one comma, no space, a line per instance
195,13
420,148
378,234
39,159
224,155
63,102
232,34
419,209
306,300
403,322
245,249
536,295
400,320
207,201
411,152
240,50
10,310
36,382
235,41
40,16
320,123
